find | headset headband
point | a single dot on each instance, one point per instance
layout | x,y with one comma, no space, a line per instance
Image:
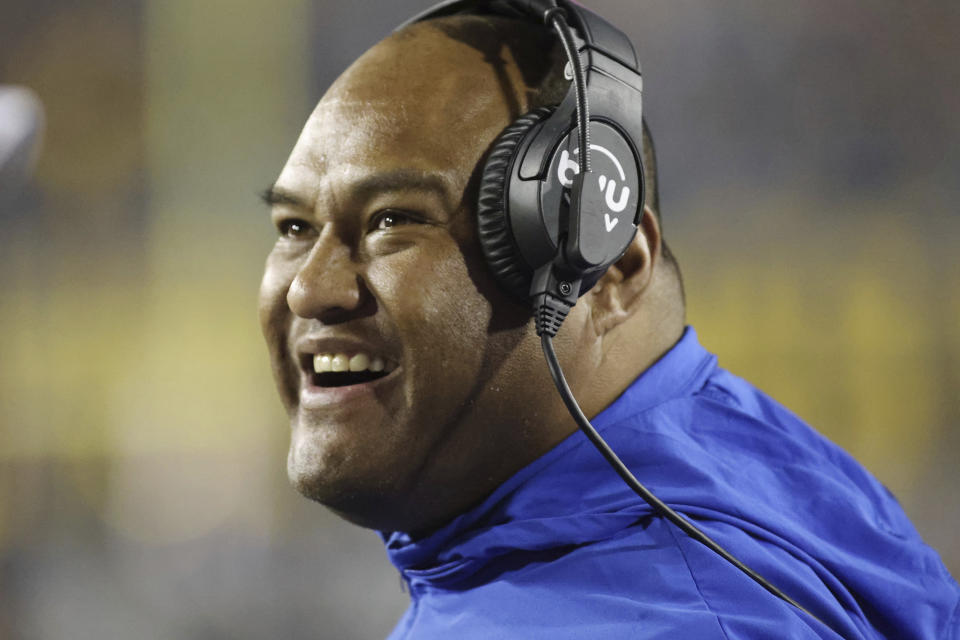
595,32
608,58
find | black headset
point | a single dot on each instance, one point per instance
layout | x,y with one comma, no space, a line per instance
560,202
555,210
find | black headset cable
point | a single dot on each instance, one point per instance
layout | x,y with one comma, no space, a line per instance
550,312
546,341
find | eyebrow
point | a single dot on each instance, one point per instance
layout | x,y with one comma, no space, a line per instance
275,196
400,180
395,180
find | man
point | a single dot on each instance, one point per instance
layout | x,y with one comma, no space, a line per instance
420,404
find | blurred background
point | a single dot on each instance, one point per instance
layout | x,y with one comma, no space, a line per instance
809,155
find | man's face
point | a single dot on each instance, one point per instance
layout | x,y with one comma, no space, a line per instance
377,268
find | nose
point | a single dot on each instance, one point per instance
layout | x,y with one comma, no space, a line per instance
328,286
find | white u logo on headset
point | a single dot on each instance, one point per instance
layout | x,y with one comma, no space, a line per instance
608,186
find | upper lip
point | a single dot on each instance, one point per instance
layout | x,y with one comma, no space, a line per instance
311,345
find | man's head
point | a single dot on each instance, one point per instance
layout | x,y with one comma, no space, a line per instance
378,261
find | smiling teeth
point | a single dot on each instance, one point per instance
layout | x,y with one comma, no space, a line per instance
340,362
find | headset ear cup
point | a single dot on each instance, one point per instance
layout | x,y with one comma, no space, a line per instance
493,219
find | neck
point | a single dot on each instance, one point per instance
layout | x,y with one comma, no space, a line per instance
630,348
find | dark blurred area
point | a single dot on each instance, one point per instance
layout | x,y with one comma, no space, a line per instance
809,156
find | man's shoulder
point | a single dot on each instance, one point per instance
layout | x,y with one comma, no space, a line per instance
729,448
789,503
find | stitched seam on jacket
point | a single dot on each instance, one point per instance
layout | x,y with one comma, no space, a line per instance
693,577
953,625
685,386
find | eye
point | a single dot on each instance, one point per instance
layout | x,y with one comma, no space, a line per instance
387,218
294,228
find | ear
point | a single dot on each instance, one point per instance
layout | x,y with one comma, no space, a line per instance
615,296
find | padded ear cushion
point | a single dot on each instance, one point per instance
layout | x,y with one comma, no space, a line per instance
496,237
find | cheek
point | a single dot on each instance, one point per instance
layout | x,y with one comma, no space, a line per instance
442,317
272,298
453,306
275,319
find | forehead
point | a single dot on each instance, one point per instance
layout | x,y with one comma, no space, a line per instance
421,101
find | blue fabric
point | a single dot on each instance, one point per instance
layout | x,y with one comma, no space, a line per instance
564,549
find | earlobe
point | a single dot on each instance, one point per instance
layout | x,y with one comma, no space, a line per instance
617,294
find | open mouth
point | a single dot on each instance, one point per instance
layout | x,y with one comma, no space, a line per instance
344,379
342,369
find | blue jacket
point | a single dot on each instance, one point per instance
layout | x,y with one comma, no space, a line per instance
564,549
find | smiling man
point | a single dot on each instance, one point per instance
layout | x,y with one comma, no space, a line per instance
420,405
378,262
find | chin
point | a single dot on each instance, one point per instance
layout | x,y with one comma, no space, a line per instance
316,472
362,508
364,498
